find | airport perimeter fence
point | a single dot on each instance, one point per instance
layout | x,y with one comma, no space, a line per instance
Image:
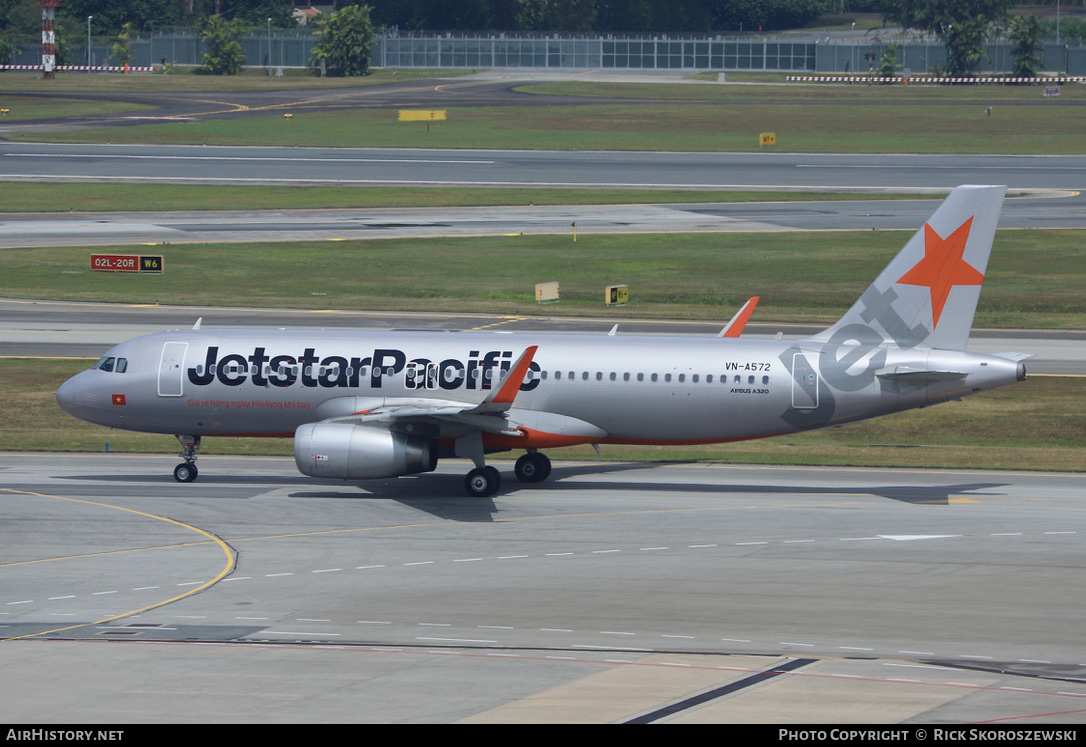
278,49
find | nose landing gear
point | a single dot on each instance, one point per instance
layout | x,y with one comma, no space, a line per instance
186,471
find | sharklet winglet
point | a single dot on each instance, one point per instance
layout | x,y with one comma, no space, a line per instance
738,323
501,398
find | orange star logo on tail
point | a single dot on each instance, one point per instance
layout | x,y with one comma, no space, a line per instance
943,267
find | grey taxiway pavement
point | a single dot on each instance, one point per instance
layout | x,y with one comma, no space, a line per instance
1049,209
612,593
197,164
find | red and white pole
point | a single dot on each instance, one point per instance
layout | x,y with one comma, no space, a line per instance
48,37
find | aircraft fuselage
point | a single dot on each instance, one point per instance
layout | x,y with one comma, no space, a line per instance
622,388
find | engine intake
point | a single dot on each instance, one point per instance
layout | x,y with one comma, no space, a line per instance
359,452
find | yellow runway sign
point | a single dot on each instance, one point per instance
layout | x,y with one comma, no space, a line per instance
422,115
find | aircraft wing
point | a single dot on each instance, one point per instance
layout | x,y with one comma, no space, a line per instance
449,419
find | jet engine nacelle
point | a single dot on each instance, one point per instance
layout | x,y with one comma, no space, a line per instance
359,452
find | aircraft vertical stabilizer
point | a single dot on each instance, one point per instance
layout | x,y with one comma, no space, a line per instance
928,294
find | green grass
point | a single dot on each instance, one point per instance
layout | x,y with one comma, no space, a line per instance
850,127
29,108
667,116
29,197
1034,280
773,89
1035,425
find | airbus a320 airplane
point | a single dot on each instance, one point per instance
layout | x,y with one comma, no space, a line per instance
363,405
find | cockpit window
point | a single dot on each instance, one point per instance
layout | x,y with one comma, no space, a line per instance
111,364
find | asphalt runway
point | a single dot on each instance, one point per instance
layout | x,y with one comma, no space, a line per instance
366,166
1055,209
197,164
611,593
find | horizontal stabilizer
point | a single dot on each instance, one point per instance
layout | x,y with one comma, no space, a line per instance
918,375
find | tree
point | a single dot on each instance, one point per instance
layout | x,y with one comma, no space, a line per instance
965,45
344,40
1025,33
146,15
123,50
566,15
764,15
961,24
1072,30
8,49
888,64
224,54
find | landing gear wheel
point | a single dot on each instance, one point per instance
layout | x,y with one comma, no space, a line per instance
533,467
483,481
185,472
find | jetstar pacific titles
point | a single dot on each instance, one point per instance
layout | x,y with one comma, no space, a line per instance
311,370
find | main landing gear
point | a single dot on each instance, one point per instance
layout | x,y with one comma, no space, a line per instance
186,471
533,467
485,481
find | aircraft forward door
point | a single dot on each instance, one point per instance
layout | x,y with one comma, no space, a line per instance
804,383
171,369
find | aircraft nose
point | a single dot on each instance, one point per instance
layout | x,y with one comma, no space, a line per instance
70,396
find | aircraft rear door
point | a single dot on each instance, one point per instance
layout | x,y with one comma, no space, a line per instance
804,383
171,369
